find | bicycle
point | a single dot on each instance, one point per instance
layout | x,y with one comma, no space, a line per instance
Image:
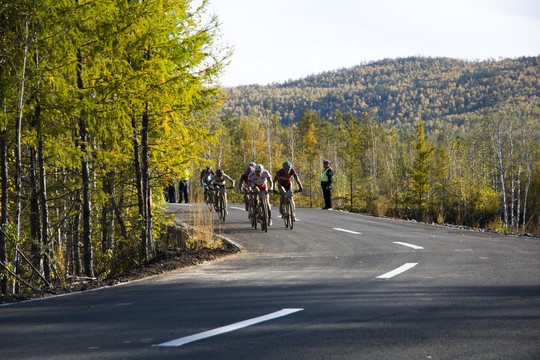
209,197
259,210
220,203
289,209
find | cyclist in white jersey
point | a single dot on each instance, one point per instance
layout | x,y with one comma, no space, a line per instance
220,180
262,181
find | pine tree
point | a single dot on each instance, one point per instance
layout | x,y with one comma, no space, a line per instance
420,188
352,146
307,129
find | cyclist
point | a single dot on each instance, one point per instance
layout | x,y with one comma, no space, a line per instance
219,180
206,177
259,179
283,181
244,183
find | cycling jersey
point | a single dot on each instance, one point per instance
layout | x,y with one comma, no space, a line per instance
221,180
245,177
285,177
206,176
259,180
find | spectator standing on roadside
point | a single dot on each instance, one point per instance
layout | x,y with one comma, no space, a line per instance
326,184
183,187
171,191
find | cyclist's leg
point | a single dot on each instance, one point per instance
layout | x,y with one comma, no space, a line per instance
293,206
256,200
281,198
283,189
269,209
215,194
251,203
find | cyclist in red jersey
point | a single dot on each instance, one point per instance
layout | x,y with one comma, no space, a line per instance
244,184
283,181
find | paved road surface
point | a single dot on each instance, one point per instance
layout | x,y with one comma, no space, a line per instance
338,286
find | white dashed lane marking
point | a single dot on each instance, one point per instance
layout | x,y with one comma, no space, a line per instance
416,247
348,231
397,271
228,328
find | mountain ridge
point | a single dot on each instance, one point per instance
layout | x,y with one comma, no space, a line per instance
398,92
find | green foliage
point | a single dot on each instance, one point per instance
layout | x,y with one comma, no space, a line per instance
420,173
439,91
110,85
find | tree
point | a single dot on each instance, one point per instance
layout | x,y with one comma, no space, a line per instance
307,129
511,152
123,87
420,188
352,140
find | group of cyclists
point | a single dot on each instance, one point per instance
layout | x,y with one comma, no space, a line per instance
253,180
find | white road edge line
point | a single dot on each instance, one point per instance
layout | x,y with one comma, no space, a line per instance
397,271
228,328
348,231
236,208
416,247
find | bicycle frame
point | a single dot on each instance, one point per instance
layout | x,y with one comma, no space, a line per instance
259,210
288,209
209,197
220,202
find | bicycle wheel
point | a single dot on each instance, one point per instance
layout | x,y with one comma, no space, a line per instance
254,211
224,206
207,200
285,214
264,216
290,213
254,220
220,208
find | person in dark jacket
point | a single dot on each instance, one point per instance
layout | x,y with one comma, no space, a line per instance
183,187
326,184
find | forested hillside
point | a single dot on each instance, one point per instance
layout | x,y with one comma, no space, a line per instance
436,140
398,92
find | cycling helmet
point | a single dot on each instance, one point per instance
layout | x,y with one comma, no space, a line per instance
287,165
259,167
219,172
252,164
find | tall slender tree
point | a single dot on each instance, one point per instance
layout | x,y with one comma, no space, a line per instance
420,188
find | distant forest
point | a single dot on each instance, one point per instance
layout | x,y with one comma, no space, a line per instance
431,139
400,92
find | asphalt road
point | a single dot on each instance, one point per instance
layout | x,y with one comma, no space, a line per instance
338,286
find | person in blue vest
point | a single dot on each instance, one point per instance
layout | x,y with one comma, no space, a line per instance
326,184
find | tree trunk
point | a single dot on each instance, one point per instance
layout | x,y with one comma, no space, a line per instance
43,203
4,208
75,238
147,240
351,189
85,174
18,165
35,227
107,216
496,141
512,175
139,185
